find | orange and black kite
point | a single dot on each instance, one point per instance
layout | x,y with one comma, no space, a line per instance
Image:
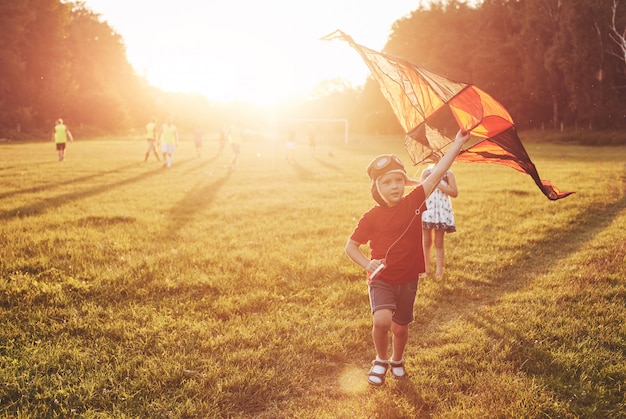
432,108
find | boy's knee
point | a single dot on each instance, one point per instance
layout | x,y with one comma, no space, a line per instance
382,324
400,329
382,320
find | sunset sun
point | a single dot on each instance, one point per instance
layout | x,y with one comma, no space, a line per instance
227,65
258,52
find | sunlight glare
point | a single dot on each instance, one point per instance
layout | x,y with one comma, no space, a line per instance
352,380
225,65
242,51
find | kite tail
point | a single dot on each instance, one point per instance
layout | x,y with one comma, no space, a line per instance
506,149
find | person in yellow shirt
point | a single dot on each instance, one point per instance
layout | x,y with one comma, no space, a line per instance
168,137
60,137
151,136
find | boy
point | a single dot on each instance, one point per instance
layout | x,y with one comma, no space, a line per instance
393,229
151,136
60,137
168,137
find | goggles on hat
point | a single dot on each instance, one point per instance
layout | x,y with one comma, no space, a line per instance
383,164
387,163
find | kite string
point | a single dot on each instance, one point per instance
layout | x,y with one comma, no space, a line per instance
417,212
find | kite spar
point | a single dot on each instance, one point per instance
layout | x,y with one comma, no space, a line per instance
431,108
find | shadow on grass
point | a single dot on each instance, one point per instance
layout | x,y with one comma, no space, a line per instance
569,382
47,187
197,199
539,256
329,165
63,199
92,221
469,296
60,200
147,289
303,174
201,163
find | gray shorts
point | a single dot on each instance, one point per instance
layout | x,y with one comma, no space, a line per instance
397,298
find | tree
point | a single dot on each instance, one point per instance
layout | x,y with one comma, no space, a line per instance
374,113
545,60
496,62
439,38
100,72
47,61
617,35
33,61
59,60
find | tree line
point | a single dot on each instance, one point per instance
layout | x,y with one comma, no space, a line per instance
551,63
60,59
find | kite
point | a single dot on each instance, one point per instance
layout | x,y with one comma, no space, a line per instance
432,108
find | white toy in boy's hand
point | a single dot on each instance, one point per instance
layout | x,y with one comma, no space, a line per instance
376,271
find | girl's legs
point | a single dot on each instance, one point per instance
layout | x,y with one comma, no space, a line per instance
439,251
427,242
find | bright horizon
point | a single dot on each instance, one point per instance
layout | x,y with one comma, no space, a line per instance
270,53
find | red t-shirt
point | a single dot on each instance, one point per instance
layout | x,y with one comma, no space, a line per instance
382,226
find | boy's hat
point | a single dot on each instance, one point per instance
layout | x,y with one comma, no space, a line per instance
388,163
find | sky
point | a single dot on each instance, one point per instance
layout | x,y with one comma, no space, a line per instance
259,51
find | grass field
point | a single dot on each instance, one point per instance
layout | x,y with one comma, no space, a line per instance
129,290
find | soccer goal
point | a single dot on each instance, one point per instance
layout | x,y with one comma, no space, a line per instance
325,126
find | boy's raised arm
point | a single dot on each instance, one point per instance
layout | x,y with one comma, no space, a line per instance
432,180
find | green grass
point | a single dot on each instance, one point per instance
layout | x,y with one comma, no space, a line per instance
129,290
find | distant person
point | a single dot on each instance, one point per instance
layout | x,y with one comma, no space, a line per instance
438,219
393,229
60,137
290,145
235,134
168,137
198,137
312,142
151,137
223,139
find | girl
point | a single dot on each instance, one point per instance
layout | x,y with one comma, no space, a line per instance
438,219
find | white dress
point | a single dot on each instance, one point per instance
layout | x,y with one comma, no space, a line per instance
439,215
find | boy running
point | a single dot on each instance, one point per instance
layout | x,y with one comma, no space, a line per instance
393,229
151,138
